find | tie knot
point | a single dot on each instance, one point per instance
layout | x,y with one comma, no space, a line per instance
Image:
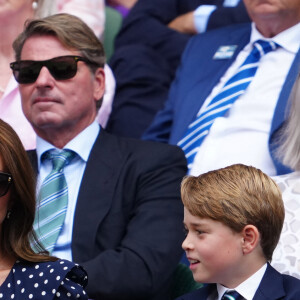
262,47
231,295
60,159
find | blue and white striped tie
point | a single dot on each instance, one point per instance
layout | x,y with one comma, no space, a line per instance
221,103
53,200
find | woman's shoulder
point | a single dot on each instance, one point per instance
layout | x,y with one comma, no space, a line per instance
57,270
46,278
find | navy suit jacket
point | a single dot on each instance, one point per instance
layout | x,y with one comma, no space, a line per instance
274,286
127,230
197,76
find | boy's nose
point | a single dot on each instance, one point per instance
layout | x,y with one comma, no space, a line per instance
187,244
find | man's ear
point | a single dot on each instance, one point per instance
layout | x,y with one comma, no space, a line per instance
251,238
99,83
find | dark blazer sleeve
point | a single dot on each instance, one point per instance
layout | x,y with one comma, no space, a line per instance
147,24
128,237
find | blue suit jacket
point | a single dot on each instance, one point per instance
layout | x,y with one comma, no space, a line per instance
197,76
272,287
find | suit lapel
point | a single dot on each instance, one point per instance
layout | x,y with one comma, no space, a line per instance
214,70
271,286
96,193
33,159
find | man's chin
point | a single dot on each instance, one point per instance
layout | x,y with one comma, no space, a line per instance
45,122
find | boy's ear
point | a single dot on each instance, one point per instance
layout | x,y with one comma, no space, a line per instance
251,238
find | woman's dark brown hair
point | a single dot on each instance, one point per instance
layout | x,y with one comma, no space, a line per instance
17,230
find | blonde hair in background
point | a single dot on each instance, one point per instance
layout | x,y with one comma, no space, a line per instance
237,195
289,149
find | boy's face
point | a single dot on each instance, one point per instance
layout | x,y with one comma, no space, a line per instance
213,250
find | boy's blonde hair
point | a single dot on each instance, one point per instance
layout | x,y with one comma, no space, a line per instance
237,196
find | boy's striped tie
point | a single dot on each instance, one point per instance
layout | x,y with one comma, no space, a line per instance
232,295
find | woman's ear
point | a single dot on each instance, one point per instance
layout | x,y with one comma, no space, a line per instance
251,238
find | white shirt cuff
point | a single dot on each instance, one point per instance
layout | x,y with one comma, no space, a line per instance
201,16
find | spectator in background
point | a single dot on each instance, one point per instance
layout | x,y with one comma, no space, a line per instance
124,215
123,6
13,15
25,274
147,53
243,131
286,257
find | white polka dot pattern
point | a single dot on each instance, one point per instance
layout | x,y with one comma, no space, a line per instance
49,280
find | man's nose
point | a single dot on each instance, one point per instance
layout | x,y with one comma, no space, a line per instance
45,78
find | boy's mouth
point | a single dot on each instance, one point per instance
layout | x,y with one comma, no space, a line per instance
193,262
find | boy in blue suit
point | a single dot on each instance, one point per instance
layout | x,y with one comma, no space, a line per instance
233,218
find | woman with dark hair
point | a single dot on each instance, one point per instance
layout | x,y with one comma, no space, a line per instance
25,274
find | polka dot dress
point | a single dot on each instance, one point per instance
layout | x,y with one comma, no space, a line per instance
43,281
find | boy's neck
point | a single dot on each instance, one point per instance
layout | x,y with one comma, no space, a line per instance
248,287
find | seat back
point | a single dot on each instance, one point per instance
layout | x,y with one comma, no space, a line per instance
113,22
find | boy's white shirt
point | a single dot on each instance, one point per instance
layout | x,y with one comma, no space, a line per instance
248,288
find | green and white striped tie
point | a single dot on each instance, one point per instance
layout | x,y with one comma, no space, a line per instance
53,200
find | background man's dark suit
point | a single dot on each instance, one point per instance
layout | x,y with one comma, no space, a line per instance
128,222
147,53
274,286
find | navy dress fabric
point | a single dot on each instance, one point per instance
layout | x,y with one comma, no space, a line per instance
61,279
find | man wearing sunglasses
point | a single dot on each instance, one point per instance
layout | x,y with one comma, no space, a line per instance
123,217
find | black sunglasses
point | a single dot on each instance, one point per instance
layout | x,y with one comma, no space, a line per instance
61,68
5,182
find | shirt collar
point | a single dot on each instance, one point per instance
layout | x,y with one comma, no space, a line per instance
248,288
288,39
82,144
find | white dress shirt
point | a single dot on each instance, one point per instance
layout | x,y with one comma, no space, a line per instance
203,12
248,288
241,136
82,145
